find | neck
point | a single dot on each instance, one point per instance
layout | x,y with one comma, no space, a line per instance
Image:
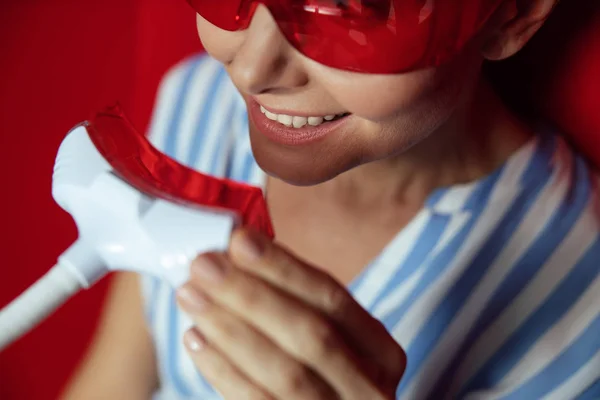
480,136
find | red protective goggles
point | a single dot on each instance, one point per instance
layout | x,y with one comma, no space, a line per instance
371,36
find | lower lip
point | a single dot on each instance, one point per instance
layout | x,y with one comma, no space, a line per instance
291,136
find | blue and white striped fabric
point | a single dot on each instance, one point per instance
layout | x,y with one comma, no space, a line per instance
493,289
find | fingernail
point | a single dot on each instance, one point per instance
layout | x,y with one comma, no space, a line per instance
249,245
193,341
208,269
191,298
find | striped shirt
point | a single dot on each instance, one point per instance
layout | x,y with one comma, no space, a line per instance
493,289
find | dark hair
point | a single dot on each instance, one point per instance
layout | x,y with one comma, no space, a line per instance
522,80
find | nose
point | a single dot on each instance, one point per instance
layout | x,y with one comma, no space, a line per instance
265,61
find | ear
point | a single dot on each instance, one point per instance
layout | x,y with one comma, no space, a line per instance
518,21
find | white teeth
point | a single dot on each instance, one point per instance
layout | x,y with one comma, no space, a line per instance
285,119
314,121
299,122
296,121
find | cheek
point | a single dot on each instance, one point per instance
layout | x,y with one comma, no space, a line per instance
381,98
400,110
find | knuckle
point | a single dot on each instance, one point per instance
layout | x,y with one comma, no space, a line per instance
287,270
214,369
270,256
295,380
323,337
394,355
336,300
258,395
300,382
226,328
250,294
399,360
281,262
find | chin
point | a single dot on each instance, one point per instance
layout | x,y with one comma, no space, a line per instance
300,166
298,173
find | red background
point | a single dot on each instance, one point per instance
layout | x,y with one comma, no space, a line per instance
61,60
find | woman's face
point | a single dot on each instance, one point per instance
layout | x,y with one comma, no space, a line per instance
385,114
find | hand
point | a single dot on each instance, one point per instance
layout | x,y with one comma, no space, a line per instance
269,326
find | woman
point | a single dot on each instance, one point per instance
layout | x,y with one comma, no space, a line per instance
429,243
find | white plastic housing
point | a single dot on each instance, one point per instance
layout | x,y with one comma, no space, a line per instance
123,229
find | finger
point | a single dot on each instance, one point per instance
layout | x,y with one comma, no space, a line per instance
311,285
295,327
224,377
252,353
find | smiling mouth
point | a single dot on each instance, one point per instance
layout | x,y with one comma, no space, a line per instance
295,130
296,121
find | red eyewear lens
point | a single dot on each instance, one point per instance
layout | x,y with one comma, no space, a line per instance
372,36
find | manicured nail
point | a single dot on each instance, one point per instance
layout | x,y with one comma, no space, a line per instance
208,269
249,245
193,341
191,298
